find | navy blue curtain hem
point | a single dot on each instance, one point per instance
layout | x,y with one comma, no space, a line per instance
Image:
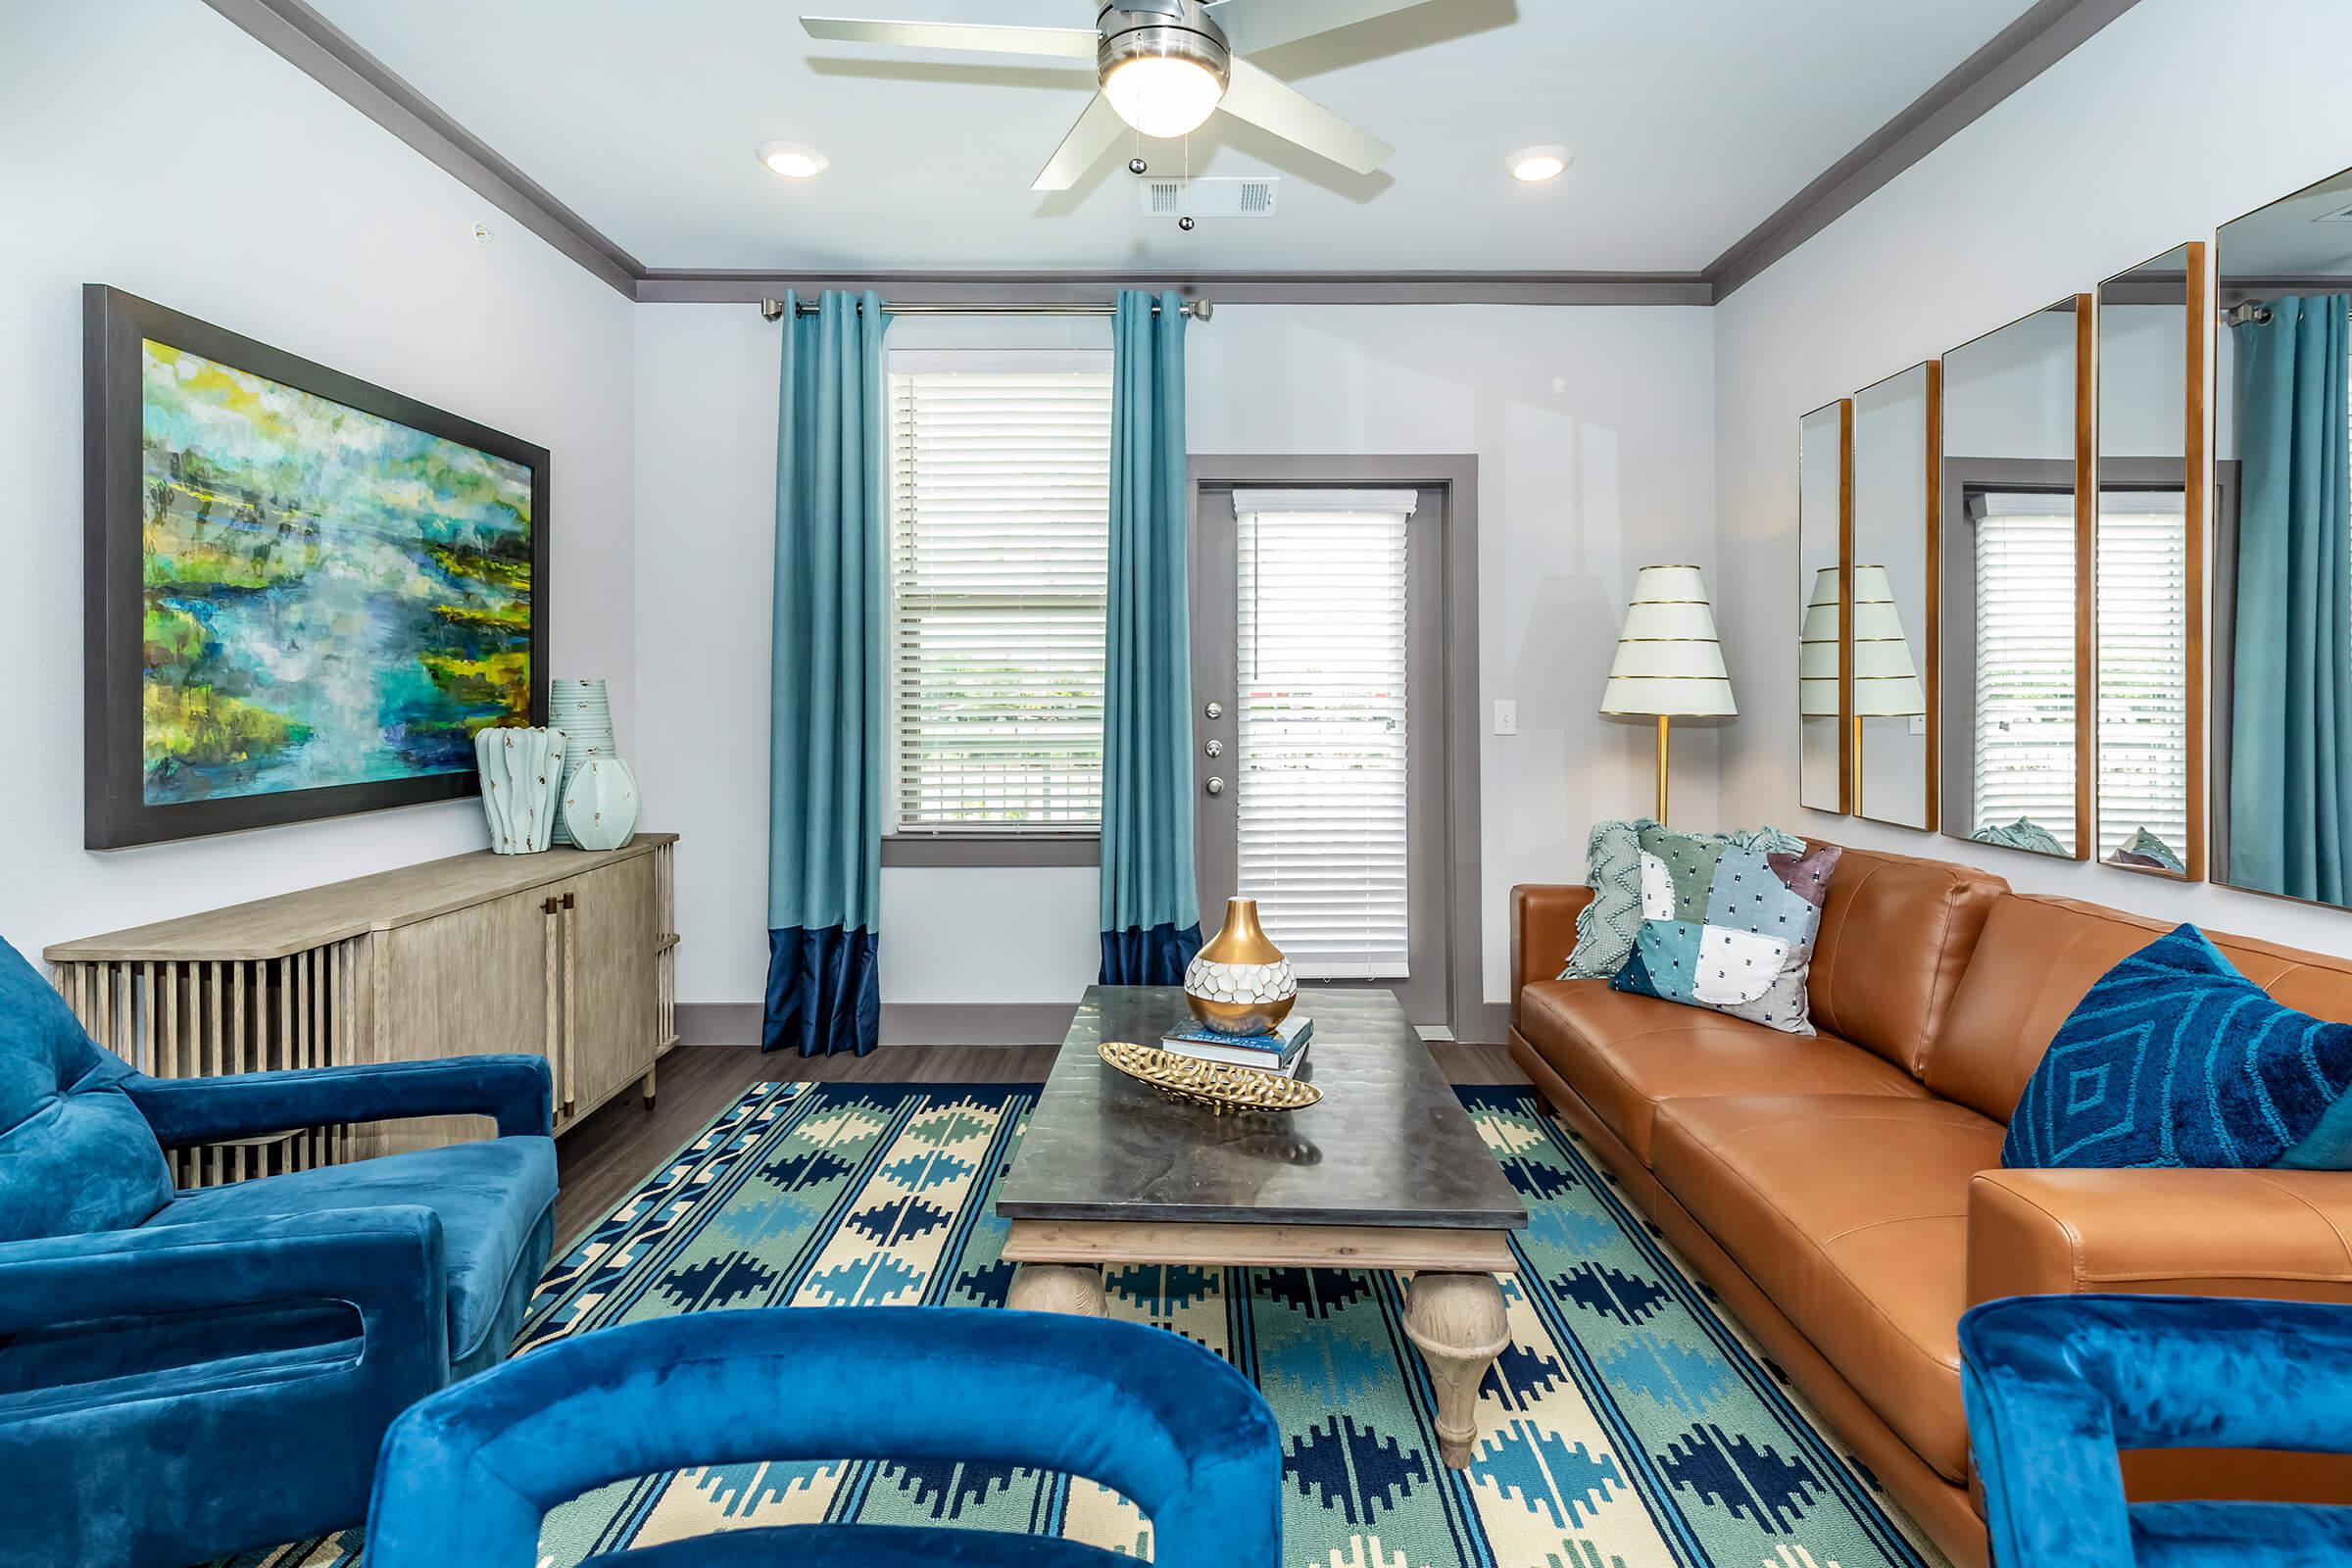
824,992
1149,956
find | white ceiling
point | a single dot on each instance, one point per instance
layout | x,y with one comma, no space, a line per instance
1691,120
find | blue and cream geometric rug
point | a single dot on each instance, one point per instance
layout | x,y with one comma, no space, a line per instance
1628,1425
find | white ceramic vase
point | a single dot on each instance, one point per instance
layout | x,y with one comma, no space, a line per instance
599,805
583,711
521,772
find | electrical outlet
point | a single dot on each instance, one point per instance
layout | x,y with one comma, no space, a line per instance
1506,716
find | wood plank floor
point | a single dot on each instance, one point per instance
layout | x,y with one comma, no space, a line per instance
604,1158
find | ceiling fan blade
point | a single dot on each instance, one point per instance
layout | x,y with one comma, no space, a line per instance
1097,132
1255,25
1056,43
1274,105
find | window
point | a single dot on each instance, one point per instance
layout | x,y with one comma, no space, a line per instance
1000,553
2144,668
2024,740
1322,810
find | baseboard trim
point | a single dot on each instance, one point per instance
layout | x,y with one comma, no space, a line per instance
904,1023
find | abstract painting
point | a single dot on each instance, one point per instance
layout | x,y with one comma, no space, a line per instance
336,590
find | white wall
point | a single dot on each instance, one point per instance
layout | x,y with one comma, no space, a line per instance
151,145
2173,119
1596,458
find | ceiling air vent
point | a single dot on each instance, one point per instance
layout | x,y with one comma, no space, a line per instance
1211,198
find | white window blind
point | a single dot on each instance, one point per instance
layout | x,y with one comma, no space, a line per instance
1321,812
2143,668
2024,707
1000,542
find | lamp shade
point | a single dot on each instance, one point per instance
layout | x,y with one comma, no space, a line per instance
1668,660
1817,649
1886,680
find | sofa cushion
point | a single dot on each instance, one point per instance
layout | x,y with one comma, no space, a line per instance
76,1156
1850,1212
1896,934
2174,1059
1728,929
493,1198
2038,957
1623,1053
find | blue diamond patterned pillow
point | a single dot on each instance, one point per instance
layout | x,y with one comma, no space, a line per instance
2176,1059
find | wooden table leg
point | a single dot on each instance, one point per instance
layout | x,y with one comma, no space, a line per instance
1057,1288
1458,1323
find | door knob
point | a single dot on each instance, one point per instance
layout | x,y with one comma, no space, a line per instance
1215,786
1215,748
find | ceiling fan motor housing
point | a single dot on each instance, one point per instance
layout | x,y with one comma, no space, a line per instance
1165,29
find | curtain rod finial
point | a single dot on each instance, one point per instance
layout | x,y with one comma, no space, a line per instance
771,310
1203,310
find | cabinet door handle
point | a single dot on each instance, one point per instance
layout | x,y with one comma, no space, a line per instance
551,1040
572,1005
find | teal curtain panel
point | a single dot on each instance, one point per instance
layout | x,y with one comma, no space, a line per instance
827,725
2290,728
1151,908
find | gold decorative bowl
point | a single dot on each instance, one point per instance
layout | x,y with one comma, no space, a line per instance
1219,1086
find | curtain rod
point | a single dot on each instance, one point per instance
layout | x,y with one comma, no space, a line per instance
1197,310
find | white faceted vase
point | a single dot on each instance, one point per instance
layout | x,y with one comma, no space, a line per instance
599,804
521,771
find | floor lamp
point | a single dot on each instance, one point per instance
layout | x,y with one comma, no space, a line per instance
1669,663
1886,678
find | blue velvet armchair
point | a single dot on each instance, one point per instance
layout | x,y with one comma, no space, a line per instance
2055,1384
186,1375
467,1475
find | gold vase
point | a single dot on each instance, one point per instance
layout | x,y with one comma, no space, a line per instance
1241,984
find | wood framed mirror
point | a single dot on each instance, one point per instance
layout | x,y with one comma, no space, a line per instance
1825,529
1892,596
2148,623
2281,687
2014,583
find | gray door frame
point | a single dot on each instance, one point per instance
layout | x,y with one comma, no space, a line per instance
1455,600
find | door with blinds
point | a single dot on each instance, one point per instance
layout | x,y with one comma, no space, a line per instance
1318,678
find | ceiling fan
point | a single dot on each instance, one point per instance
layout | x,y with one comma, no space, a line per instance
1165,67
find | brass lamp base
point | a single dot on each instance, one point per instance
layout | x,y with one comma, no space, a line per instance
1662,723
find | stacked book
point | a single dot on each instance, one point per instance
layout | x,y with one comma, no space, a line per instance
1276,1052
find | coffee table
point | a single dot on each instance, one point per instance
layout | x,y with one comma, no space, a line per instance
1386,1173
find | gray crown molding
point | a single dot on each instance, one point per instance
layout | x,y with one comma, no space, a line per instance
333,59
2044,36
677,288
2038,39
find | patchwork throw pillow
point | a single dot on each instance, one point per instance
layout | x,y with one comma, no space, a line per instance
2176,1059
2022,834
1729,927
1606,927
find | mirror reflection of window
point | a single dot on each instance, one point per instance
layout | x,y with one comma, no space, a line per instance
2282,598
2023,781
2142,585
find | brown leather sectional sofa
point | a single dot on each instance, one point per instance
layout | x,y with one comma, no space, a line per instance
1844,1195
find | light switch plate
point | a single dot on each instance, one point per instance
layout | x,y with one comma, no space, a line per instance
1507,716
1919,724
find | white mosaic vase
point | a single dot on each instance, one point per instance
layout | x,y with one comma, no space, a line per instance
522,771
1240,983
599,804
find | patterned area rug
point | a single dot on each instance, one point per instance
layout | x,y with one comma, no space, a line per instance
1628,1425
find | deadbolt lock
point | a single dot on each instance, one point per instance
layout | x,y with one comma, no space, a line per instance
1214,710
1214,748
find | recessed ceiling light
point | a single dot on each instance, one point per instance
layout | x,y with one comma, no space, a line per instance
1535,165
792,160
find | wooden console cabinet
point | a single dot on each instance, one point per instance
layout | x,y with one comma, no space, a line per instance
565,954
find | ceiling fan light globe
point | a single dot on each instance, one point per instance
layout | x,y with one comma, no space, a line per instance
1163,96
